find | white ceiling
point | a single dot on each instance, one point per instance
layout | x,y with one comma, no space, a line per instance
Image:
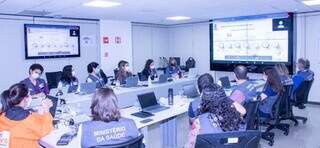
155,11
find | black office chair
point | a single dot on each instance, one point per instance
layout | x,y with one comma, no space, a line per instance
115,72
300,96
134,143
274,121
238,139
286,113
105,77
142,77
252,121
53,79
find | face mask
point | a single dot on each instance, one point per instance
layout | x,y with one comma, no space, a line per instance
127,68
152,67
29,100
97,70
265,78
73,73
35,75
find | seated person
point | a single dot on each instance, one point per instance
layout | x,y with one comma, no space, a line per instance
173,70
68,78
35,84
149,70
244,91
25,128
203,81
304,73
106,122
272,89
124,72
94,74
284,74
218,114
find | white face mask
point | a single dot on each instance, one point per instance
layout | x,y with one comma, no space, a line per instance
35,75
97,70
152,67
127,68
73,73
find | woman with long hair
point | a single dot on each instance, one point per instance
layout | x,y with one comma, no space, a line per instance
107,126
284,74
149,70
124,71
68,78
25,128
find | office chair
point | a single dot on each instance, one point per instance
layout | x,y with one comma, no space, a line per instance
134,143
105,77
252,121
300,96
53,79
238,139
274,121
142,77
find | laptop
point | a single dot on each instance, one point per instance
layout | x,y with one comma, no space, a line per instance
162,79
132,81
193,72
59,92
190,91
72,89
225,83
88,88
149,103
53,109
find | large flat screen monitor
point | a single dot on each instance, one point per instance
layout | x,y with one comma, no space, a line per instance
51,41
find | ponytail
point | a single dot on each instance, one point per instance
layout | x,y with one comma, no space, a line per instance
4,101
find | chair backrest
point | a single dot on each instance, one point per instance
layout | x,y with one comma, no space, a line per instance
251,117
142,77
285,109
53,79
134,143
302,92
243,139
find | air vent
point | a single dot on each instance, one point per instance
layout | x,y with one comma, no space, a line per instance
33,13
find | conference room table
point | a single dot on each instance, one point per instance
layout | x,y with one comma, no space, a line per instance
166,128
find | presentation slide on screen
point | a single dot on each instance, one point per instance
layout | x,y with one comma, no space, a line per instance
262,40
42,41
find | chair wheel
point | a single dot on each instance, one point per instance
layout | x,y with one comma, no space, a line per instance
304,121
270,143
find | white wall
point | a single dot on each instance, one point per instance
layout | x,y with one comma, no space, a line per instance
12,60
149,42
115,51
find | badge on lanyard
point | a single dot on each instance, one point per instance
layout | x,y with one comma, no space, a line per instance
41,85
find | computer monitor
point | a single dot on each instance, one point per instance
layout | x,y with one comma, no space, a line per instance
147,100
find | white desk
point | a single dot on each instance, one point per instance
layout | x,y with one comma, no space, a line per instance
172,122
179,108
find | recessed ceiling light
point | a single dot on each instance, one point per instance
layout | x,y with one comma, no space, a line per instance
101,3
311,2
178,18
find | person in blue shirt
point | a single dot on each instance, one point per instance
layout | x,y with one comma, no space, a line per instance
304,73
245,90
149,70
107,126
173,70
271,91
36,85
69,78
284,74
94,74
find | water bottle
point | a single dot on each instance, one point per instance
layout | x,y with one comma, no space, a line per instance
170,96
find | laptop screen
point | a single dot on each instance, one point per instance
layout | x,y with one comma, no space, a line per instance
147,100
225,82
53,109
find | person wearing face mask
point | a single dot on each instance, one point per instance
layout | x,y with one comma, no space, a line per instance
150,70
35,84
25,128
94,74
173,69
124,72
68,78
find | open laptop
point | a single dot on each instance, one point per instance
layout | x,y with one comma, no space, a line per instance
88,88
190,91
162,79
149,103
59,92
53,109
225,83
193,72
132,81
